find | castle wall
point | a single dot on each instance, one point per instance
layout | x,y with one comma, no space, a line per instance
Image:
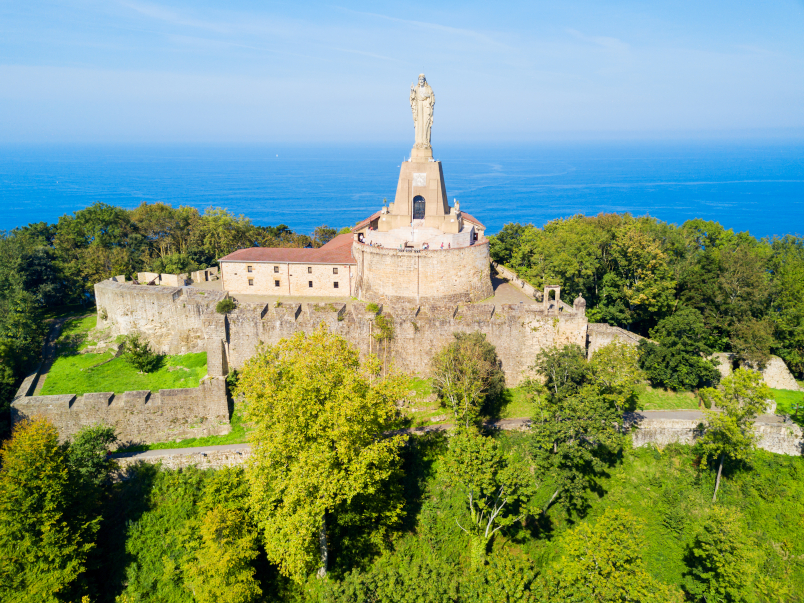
138,416
176,320
432,276
518,331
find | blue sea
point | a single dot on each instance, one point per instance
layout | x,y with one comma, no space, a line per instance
748,186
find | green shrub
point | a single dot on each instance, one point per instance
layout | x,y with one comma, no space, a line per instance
225,306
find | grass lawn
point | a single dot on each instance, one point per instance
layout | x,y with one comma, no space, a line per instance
663,399
75,374
786,399
424,409
75,334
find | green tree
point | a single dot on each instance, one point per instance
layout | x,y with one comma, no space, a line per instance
506,578
138,353
787,267
730,434
45,537
647,281
503,244
318,443
323,235
678,361
574,430
603,563
752,340
222,568
175,263
88,454
722,560
615,375
494,486
466,374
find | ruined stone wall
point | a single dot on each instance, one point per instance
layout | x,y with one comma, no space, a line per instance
138,416
518,332
432,276
781,438
601,334
180,320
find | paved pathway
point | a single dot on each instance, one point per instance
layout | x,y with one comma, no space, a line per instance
504,424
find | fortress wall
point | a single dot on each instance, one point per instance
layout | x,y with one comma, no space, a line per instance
180,320
436,275
518,332
176,320
138,416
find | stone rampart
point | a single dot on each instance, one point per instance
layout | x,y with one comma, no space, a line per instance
176,320
138,416
179,320
421,277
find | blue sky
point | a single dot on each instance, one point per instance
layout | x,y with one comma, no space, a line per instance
174,71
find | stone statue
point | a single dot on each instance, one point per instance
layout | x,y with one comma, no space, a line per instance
422,101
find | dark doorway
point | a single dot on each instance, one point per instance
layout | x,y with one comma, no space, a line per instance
418,207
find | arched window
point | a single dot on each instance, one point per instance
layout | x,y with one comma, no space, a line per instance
418,207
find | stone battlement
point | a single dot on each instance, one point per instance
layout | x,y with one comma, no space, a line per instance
180,320
138,416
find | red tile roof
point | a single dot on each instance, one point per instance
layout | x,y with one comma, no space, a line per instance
367,221
337,251
471,218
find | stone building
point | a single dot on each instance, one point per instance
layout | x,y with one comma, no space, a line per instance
328,271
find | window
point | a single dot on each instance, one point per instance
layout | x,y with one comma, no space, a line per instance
276,269
249,268
309,269
334,271
276,283
251,282
418,207
310,284
335,285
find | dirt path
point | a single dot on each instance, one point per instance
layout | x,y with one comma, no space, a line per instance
49,350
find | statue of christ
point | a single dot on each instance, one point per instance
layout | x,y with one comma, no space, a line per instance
422,101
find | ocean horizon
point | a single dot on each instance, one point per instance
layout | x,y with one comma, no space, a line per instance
746,186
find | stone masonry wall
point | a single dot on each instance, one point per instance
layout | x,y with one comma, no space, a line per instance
138,416
601,334
781,438
432,276
179,320
176,320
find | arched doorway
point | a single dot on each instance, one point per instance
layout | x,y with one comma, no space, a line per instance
418,207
